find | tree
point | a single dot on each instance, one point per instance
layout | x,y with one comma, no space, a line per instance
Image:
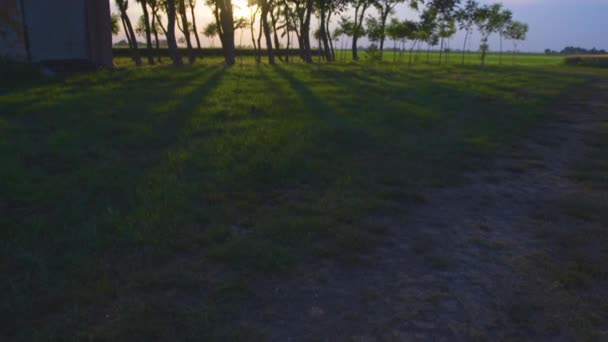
358,31
185,26
140,30
155,23
400,31
266,7
347,28
325,9
288,24
373,29
222,11
410,30
433,40
516,31
171,41
503,19
385,9
301,13
444,13
241,24
192,4
145,21
466,19
210,32
393,30
427,29
275,13
115,27
487,19
446,30
338,37
123,5
335,7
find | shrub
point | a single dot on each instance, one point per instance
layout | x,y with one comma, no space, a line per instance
597,61
373,54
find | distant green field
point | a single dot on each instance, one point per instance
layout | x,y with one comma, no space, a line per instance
390,56
110,181
455,58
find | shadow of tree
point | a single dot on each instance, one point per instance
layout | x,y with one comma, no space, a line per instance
72,187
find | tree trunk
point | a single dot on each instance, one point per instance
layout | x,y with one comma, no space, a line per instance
260,32
129,31
287,32
323,35
275,34
226,29
440,50
156,41
160,23
383,29
305,32
354,40
409,66
464,46
124,28
329,37
196,36
500,55
251,25
484,50
358,26
266,27
144,8
186,30
171,41
395,51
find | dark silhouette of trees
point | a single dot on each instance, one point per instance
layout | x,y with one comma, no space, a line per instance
123,5
275,21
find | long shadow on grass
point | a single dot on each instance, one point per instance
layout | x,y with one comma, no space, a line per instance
430,130
345,133
45,94
64,224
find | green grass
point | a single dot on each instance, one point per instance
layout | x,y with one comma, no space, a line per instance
107,178
455,58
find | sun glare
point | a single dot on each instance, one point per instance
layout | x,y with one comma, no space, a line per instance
240,9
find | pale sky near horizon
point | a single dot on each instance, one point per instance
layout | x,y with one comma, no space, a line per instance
554,24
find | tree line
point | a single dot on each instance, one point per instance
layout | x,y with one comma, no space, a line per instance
571,50
278,21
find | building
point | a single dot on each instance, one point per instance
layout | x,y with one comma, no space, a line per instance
56,31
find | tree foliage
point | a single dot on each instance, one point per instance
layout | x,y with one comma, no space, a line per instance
277,21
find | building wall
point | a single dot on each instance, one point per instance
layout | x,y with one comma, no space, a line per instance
100,32
56,29
13,43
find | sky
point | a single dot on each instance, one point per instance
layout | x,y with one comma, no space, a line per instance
554,24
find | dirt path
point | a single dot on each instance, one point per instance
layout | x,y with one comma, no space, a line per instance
456,268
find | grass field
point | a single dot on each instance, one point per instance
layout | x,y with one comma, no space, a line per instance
419,57
107,178
455,58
